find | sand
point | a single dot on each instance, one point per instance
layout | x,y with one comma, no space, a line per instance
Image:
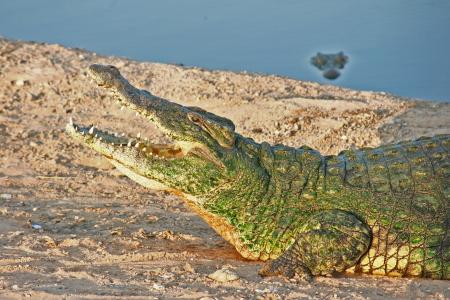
72,227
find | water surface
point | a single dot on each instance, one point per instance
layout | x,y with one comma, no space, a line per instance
400,46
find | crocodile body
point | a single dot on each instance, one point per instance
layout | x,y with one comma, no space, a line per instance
378,210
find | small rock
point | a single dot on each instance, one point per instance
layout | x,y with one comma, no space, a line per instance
157,286
15,287
152,219
36,226
223,275
117,231
5,196
22,82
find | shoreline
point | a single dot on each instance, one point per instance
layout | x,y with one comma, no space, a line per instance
103,236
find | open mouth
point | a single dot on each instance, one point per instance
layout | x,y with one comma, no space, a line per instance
127,149
110,141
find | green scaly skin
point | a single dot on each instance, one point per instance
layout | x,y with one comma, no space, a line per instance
378,210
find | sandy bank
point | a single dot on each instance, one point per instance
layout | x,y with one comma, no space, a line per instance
103,235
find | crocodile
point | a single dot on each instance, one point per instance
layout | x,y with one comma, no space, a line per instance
382,211
329,64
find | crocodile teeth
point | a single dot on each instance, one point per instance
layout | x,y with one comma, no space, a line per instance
137,145
71,121
129,143
138,135
122,107
91,130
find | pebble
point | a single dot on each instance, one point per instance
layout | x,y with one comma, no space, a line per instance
36,226
157,286
223,275
5,196
22,82
152,219
117,231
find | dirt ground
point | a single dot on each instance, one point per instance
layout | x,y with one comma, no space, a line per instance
72,227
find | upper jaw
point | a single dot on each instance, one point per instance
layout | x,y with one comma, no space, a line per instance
173,119
170,117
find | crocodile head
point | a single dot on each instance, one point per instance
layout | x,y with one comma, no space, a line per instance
194,164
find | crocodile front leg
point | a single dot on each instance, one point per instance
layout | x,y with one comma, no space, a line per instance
330,240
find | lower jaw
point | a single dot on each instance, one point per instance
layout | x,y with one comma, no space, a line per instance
107,139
